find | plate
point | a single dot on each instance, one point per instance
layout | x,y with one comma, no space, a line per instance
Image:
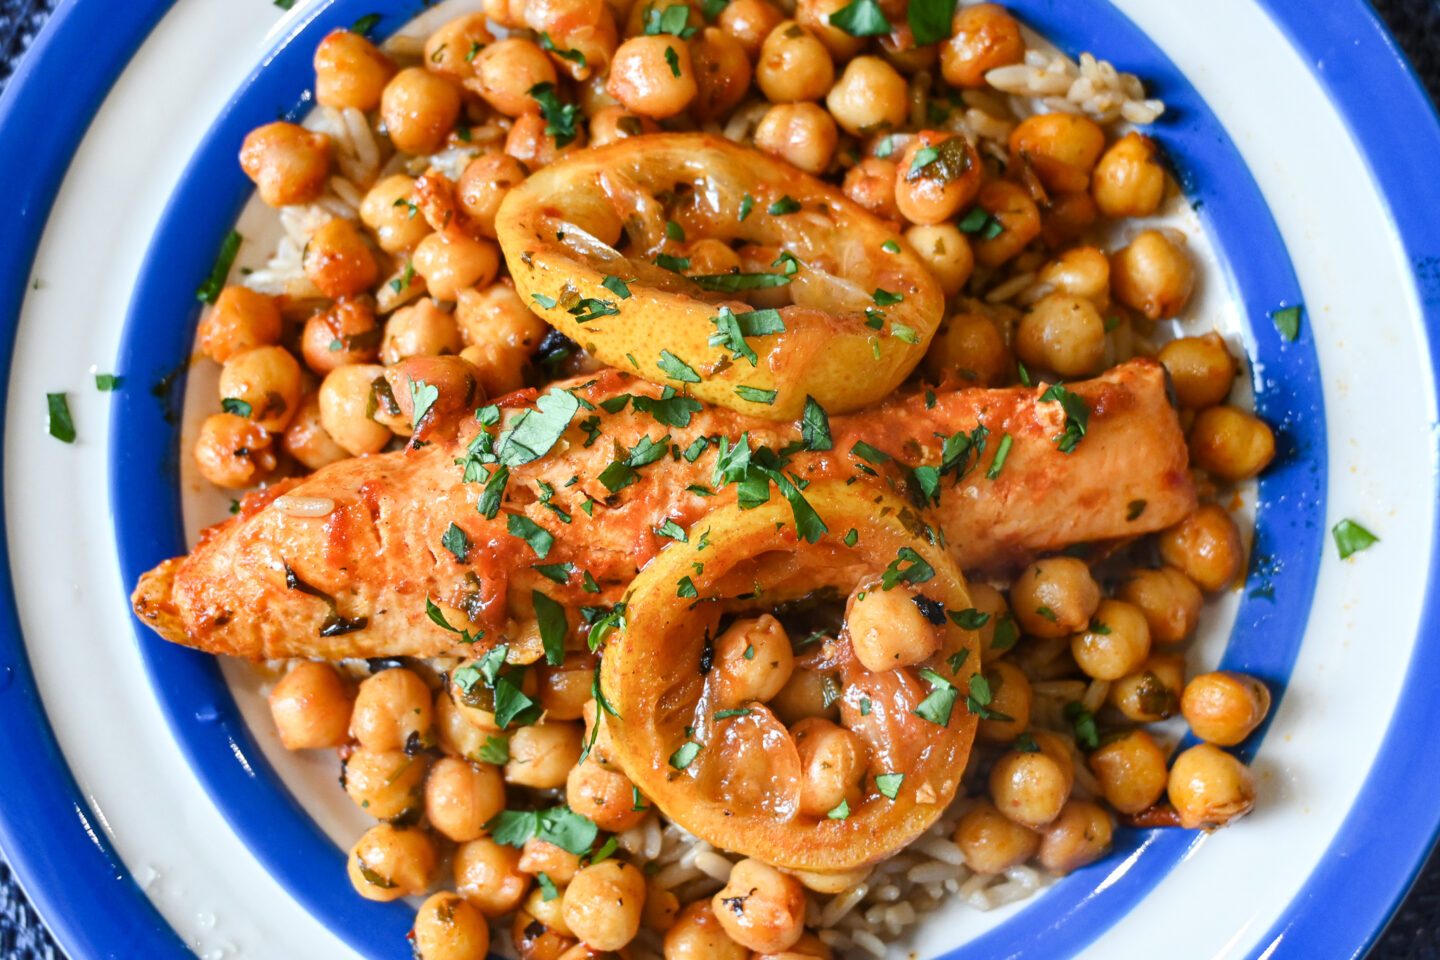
144,812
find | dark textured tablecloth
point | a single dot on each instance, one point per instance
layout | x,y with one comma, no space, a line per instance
1414,934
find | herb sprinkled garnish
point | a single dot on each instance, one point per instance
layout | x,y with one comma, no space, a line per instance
885,147
1025,744
1287,322
402,282
677,369
756,394
673,20
732,329
938,706
815,426
236,406
588,308
889,784
671,57
365,24
890,246
969,618
1077,417
685,588
535,432
574,56
617,286
980,697
747,204
494,492
1351,538
560,826
930,20
548,303
106,382
672,530
685,755
784,205
559,117
209,291
735,282
957,660
917,571
422,399
539,539
454,540
852,537
672,263
980,221
437,617
61,426
1002,453
333,625
1007,632
1083,721
870,454
884,298
495,750
553,624
284,4
548,890
1134,509
674,231
841,812
861,18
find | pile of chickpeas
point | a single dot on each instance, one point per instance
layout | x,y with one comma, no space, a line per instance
416,277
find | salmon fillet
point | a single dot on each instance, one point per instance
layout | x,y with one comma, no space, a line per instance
268,584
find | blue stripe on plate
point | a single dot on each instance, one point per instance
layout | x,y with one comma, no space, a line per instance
50,834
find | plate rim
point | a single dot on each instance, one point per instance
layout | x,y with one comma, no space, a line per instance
111,41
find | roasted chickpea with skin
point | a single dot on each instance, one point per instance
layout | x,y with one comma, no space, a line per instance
234,452
338,261
451,260
449,928
419,109
1116,642
753,660
387,784
311,707
1011,696
346,333
936,177
614,122
241,320
604,796
1201,370
869,96
288,163
1151,693
560,865
604,902
947,254
653,76
1031,787
1054,597
305,438
760,907
970,348
1209,788
264,385
1224,707
461,797
391,707
807,694
1169,600
1080,272
541,755
993,843
1131,771
722,74
350,72
1153,274
871,184
801,134
983,37
452,49
1062,148
532,141
793,65
888,628
1019,218
419,330
391,211
344,398
832,763
1231,444
1206,547
1078,837
507,70
483,185
1128,180
390,862
1063,333
488,875
750,22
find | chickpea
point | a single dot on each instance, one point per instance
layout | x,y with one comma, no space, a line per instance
1230,443
390,862
750,22
350,72
1063,333
387,784
506,71
1209,788
1131,771
565,688
392,707
793,65
722,74
807,694
311,707
240,320
1031,788
983,37
1201,370
288,163
536,940
560,865
1152,693
1080,272
460,733
946,252
579,26
452,49
1011,697
267,381
344,395
1169,600
346,333
1224,707
234,452
1067,218
604,796
451,260
832,763
484,185
653,76
1061,147
337,260
887,628
604,902
711,256
419,330
698,935
1054,597
933,192
542,755
1116,642
419,109
994,843
760,907
1206,547
871,184
1129,180
869,96
449,928
998,633
970,347
1153,275
753,660
614,122
489,876
801,134
531,142
502,369
550,912
1012,208
391,211
461,797
814,15
1079,836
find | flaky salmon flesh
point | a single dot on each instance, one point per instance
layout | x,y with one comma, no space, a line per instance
269,583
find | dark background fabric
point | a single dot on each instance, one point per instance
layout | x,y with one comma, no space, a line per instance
1414,933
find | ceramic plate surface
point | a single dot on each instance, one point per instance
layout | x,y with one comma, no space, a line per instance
148,807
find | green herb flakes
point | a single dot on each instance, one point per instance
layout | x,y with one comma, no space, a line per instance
1350,537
